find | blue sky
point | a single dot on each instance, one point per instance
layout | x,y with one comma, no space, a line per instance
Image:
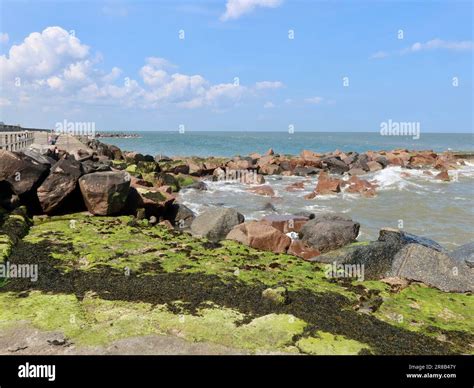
123,66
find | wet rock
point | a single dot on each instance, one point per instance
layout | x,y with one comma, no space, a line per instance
215,224
260,235
327,185
326,232
262,190
60,183
295,186
22,173
361,186
105,193
443,176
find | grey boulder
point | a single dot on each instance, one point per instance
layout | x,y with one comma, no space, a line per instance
327,232
215,224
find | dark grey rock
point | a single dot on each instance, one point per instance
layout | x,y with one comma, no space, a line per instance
328,231
335,165
60,183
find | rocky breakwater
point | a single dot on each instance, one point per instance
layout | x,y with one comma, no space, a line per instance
94,180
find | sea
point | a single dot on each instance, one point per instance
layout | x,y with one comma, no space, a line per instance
419,204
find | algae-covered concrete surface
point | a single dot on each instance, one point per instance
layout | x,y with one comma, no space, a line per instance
120,286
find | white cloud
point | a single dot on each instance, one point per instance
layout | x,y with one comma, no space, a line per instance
56,68
4,37
268,85
314,100
434,44
379,55
237,8
269,105
42,54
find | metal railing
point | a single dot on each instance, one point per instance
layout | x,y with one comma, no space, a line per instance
16,141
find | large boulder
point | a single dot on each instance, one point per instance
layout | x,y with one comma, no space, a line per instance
22,173
327,231
215,224
106,192
404,255
260,235
60,183
327,185
437,269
